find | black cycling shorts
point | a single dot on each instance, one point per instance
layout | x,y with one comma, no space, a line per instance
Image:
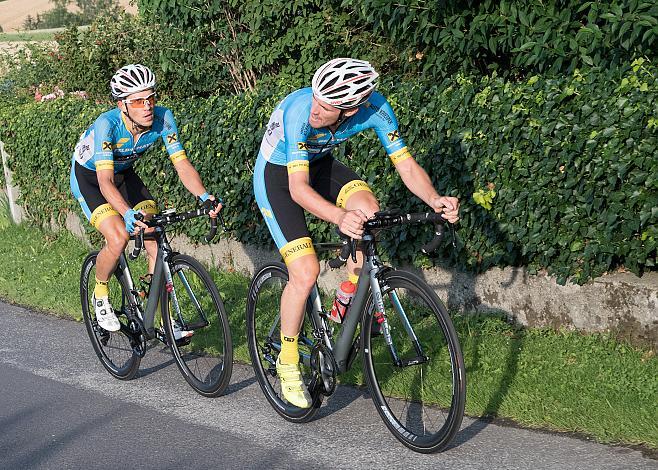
284,217
85,188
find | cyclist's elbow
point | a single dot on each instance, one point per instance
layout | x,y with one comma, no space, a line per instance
298,193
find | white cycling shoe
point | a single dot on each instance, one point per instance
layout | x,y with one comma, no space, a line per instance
181,334
105,314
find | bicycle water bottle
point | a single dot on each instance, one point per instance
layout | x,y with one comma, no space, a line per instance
344,295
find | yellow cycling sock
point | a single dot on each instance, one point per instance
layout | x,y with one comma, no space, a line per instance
101,290
289,350
354,278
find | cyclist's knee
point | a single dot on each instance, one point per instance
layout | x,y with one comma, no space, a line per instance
365,201
117,241
304,274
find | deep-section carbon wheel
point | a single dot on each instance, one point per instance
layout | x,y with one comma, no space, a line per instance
113,349
264,338
417,382
194,306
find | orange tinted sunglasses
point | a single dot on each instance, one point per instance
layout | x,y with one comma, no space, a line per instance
139,103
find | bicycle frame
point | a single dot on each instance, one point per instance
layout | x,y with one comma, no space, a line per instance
160,272
344,348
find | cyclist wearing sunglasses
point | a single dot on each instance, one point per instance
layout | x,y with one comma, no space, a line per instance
105,184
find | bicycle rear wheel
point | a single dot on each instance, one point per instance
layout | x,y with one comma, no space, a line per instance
113,349
417,382
206,358
264,338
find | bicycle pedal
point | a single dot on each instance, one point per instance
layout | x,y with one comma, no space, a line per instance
184,341
196,326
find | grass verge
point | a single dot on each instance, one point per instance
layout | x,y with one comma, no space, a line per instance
563,381
23,36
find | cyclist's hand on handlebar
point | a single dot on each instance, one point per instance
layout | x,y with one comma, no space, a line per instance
218,203
448,205
131,221
351,223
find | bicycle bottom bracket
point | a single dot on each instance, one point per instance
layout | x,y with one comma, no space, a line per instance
137,339
324,367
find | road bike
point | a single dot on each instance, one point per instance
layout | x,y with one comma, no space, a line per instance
412,361
188,300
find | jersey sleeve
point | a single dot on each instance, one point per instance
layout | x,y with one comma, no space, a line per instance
103,140
171,138
296,131
386,126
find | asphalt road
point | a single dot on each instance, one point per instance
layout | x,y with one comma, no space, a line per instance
59,409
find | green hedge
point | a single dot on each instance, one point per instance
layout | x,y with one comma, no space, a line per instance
555,173
199,48
513,37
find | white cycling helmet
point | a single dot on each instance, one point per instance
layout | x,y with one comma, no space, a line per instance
131,79
344,83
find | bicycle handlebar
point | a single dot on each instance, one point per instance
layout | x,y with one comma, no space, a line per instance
172,217
387,219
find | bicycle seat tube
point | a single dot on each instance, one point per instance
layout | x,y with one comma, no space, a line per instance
367,276
161,274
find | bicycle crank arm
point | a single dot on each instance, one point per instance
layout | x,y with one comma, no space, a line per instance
412,362
196,326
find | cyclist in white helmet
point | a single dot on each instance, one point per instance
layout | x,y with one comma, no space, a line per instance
105,184
296,171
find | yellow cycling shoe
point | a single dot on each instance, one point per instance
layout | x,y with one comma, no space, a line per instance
292,385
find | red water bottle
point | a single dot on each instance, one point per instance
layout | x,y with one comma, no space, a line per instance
344,295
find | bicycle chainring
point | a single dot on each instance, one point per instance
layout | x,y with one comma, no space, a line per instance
137,338
324,369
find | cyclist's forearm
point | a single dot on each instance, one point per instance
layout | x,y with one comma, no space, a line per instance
190,177
310,200
417,180
113,196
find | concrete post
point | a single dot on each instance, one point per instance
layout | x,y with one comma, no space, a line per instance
13,193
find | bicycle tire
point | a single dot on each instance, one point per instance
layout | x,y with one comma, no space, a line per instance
114,349
263,337
205,359
421,403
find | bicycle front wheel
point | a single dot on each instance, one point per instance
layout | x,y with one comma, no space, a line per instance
264,338
194,307
413,363
114,349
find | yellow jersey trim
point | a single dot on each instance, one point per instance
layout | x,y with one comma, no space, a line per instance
399,155
178,156
105,165
148,206
101,213
296,249
297,165
349,189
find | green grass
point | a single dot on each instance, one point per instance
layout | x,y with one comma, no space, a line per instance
563,381
34,35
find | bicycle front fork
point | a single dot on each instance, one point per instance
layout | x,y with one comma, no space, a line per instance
381,318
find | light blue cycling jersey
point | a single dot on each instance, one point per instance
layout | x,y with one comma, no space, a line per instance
290,140
108,144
